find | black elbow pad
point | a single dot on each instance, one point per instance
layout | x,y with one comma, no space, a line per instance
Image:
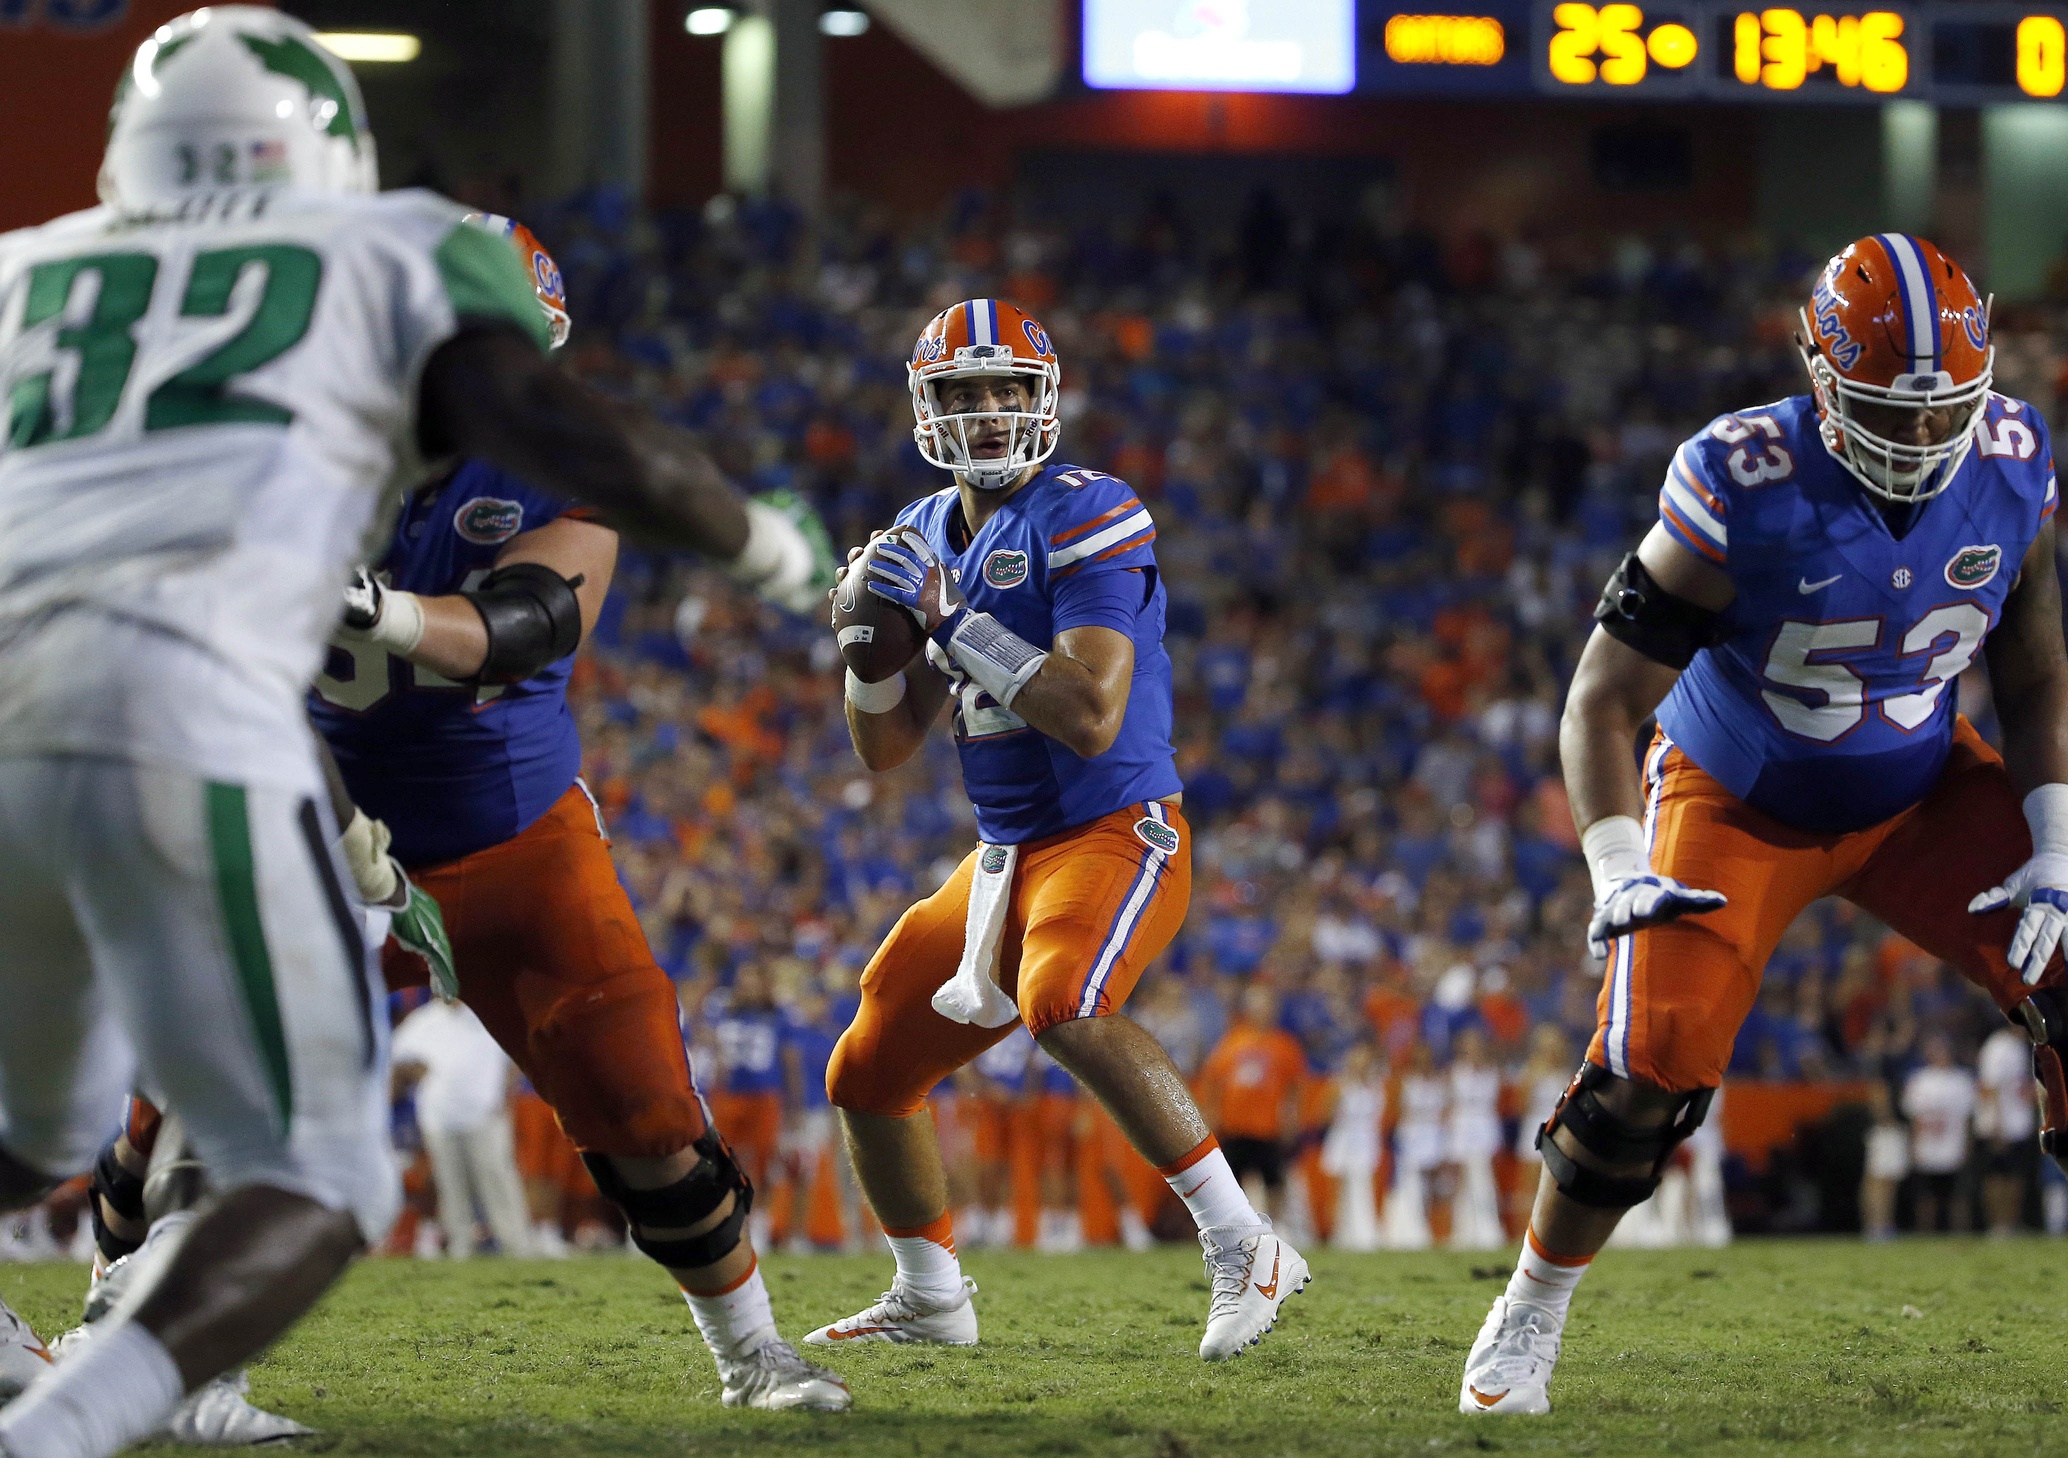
532,616
1636,611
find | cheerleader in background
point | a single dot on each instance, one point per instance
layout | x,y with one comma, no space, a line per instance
1472,1137
1351,1149
1417,1150
1541,1084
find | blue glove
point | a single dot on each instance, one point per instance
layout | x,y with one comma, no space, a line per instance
903,569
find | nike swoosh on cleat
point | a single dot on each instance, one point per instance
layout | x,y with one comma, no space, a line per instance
1188,1194
840,1336
1806,587
1486,1399
1270,1291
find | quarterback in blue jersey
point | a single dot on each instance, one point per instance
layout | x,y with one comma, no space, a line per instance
1823,571
1036,587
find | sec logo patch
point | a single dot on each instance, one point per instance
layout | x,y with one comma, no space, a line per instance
1005,568
1973,566
1156,835
488,520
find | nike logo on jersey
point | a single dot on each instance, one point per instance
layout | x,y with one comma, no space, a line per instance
1270,1292
1806,587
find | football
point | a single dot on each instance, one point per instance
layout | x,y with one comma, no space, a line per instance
877,638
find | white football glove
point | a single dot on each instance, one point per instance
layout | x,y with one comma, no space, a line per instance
2040,886
377,613
1628,894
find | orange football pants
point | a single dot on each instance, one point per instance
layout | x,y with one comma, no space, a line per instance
1090,909
1674,996
552,958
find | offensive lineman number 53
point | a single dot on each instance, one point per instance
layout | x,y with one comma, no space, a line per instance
72,383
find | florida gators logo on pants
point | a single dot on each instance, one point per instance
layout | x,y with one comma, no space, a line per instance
1674,996
1090,909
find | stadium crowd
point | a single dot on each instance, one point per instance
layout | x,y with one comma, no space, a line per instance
1389,475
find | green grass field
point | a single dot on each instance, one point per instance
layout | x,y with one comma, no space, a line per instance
1769,1347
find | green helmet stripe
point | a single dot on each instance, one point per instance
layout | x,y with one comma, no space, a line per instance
294,58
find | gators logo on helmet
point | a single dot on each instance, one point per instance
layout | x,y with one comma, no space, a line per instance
538,263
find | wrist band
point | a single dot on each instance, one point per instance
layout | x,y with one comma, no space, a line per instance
776,552
1614,847
365,843
875,698
2046,811
1000,660
400,626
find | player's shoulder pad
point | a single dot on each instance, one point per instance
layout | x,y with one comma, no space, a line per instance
925,511
1091,519
2012,435
85,223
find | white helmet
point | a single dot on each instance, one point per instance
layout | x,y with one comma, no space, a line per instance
234,96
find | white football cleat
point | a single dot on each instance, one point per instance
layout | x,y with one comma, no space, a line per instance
1509,1368
774,1378
1252,1273
218,1414
900,1317
22,1357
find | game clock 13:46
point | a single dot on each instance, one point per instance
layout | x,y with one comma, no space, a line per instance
1868,53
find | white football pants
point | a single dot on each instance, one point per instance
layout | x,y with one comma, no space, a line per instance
193,938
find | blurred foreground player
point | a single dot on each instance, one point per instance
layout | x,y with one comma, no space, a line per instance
215,383
1824,570
1038,594
445,705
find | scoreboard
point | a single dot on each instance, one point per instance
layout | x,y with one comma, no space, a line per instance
1967,52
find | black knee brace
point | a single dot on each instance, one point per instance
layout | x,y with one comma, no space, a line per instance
1609,1138
123,1193
2045,1016
689,1200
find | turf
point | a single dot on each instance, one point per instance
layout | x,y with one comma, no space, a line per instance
1766,1348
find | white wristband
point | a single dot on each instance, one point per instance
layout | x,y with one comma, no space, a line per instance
1614,847
2046,811
400,626
777,557
875,698
365,843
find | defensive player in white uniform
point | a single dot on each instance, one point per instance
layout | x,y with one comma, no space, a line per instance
213,385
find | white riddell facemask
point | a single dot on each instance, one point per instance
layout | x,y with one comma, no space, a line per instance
234,96
947,438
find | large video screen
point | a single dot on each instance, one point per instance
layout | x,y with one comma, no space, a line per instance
1221,45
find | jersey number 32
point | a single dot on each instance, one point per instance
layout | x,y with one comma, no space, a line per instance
75,349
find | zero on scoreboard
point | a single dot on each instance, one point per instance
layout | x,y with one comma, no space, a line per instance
1965,53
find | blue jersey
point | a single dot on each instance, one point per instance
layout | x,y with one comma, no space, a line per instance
1070,549
1830,705
452,768
750,1044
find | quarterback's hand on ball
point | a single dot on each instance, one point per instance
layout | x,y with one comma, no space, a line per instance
1636,902
2041,887
903,569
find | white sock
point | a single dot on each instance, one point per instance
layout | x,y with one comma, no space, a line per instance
1209,1188
116,1390
1545,1280
927,1264
737,1319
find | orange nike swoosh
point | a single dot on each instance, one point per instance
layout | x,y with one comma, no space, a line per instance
840,1336
44,1353
1195,1189
1270,1292
1485,1399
